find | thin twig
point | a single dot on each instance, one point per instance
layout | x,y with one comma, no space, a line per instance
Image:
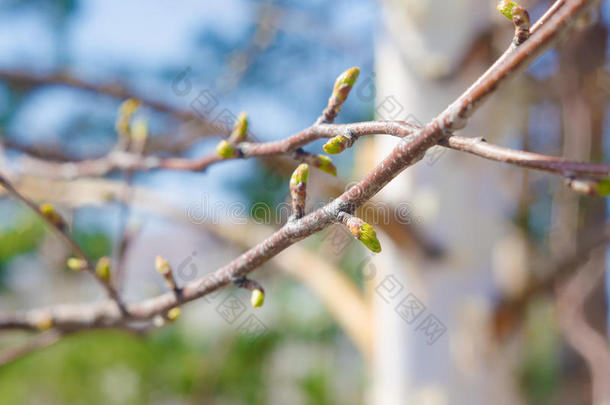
45,339
67,239
476,146
479,147
113,89
588,342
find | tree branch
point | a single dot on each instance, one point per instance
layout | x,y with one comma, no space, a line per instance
56,222
480,147
41,341
409,150
113,89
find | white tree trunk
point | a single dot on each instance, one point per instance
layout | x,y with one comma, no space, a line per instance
457,199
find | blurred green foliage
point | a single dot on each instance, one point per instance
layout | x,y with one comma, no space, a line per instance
27,230
21,237
540,368
111,367
95,243
315,386
24,236
262,185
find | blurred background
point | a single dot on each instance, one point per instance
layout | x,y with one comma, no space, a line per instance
493,280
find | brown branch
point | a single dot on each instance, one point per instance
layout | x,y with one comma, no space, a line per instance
115,90
479,147
120,160
406,153
45,339
547,16
475,146
298,190
127,234
588,342
62,232
509,309
239,61
165,270
335,289
52,336
521,19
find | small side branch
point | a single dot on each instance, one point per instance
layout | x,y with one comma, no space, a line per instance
361,230
298,190
580,334
112,89
520,18
41,341
165,270
49,215
121,160
343,85
257,296
480,147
